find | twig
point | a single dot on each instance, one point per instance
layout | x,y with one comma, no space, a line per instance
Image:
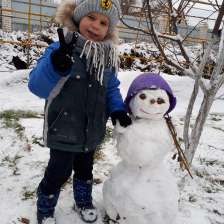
221,97
188,34
158,44
179,150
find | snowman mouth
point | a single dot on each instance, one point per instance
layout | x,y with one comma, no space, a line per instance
147,112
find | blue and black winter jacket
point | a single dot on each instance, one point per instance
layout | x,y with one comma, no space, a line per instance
77,106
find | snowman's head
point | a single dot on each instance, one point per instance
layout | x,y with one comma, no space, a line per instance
150,96
150,104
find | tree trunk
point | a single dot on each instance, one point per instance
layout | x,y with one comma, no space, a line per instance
189,114
199,125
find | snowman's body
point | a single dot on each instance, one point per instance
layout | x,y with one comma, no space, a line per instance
141,189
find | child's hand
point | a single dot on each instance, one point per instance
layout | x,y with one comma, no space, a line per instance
122,117
62,57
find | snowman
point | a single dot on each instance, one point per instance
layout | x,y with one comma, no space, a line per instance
141,188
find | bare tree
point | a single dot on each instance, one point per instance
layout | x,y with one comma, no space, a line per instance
193,68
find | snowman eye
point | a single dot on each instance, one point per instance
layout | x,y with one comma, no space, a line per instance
152,101
160,101
142,96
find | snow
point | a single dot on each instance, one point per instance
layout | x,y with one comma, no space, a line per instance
50,221
9,50
23,160
14,81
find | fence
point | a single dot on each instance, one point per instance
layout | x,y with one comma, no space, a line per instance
33,15
200,34
36,15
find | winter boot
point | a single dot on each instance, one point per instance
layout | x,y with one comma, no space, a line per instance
83,200
45,207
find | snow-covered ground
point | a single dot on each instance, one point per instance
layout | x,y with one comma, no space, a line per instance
23,159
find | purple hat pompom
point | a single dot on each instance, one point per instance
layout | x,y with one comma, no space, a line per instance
149,81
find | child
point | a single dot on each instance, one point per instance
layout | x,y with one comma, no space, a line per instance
77,78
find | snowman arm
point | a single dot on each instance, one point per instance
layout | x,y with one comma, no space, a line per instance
173,149
178,134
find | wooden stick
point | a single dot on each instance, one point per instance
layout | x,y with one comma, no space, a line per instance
179,150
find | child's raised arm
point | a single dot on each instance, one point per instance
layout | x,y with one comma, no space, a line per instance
55,63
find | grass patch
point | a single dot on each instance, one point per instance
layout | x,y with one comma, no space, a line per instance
17,114
218,181
11,162
216,119
109,135
201,173
37,141
10,119
28,194
207,162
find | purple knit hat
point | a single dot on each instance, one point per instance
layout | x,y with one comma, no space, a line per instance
149,81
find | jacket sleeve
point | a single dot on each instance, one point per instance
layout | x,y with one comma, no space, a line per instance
113,95
44,77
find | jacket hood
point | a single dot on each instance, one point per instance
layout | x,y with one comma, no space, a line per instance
64,16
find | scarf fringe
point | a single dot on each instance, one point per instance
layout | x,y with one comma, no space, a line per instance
100,55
